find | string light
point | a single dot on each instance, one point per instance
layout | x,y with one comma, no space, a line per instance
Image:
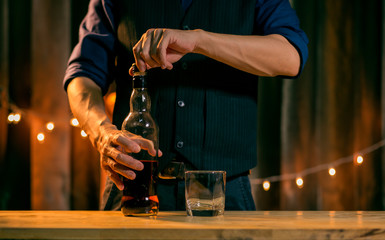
83,133
16,113
74,122
266,185
359,160
11,117
14,118
50,126
17,117
299,182
40,137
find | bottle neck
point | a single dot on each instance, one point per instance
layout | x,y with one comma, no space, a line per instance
140,100
139,80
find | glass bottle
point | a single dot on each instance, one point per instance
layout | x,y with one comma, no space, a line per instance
139,195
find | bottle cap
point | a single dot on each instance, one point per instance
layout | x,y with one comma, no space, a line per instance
136,71
139,79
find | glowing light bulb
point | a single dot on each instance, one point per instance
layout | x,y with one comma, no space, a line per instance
266,185
83,133
359,160
40,137
299,182
16,117
50,126
74,122
332,171
11,117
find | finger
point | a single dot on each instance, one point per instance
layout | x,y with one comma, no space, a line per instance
147,43
144,144
160,153
162,51
140,63
135,143
131,71
115,178
128,161
117,168
148,66
154,50
147,145
123,159
127,143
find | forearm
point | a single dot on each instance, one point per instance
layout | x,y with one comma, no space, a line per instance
270,55
87,105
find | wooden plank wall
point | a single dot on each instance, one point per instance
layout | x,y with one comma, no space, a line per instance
16,70
334,110
4,79
62,172
50,160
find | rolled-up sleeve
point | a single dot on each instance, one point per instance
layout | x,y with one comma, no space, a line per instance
94,55
278,17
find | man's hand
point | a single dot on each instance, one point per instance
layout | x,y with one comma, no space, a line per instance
269,55
114,146
87,105
163,47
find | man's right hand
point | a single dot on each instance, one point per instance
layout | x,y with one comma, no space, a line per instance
114,147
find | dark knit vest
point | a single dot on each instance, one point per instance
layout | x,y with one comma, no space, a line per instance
206,110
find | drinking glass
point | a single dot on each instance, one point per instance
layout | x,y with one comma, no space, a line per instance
205,193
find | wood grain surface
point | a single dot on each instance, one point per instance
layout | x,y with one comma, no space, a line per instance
176,225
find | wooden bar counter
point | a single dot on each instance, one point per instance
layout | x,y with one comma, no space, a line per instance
176,225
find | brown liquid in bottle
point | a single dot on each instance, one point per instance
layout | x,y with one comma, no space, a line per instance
139,196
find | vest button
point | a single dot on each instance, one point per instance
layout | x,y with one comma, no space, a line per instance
184,66
181,103
186,27
179,144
